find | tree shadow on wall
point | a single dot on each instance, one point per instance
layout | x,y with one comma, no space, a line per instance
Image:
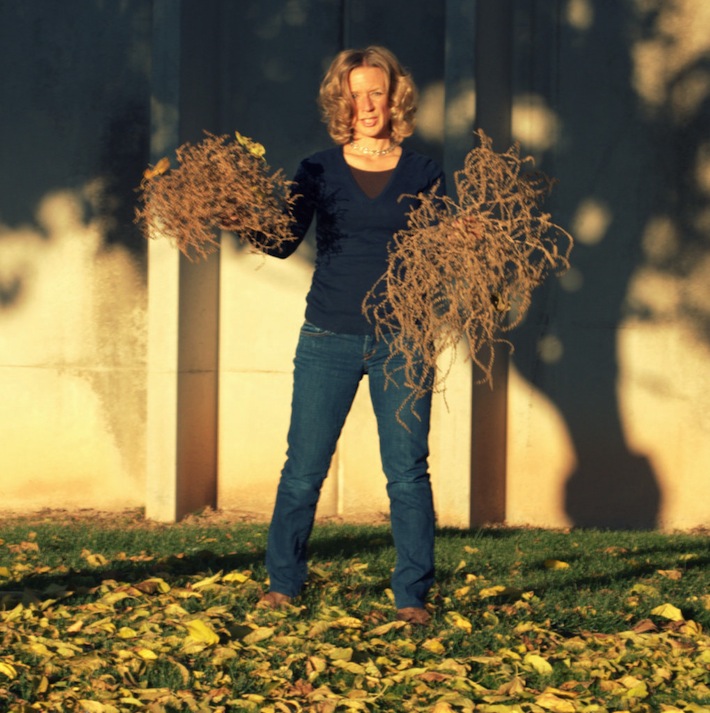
607,163
79,122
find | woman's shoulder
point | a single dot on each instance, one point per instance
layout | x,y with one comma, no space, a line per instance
313,167
323,157
420,162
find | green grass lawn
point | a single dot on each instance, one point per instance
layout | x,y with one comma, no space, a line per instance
115,614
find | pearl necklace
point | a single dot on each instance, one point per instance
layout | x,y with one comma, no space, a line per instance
373,152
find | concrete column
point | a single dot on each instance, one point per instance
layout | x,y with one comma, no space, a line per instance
451,449
183,296
493,61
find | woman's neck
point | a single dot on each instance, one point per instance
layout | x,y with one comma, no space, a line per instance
373,160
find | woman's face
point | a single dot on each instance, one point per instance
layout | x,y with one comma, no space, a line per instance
371,109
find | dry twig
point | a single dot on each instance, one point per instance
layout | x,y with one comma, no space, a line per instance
220,182
465,267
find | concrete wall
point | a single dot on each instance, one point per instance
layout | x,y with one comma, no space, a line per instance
75,104
609,397
130,377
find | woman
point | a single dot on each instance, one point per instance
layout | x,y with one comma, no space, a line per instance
355,193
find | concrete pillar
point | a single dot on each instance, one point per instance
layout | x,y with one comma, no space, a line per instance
452,413
183,296
493,60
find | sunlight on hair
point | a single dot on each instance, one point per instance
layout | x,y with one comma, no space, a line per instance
591,221
535,125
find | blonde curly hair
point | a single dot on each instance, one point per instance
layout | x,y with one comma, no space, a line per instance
337,106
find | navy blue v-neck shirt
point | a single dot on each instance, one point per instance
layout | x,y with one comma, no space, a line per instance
353,231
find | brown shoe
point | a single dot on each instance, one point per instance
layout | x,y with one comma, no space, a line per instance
414,615
274,600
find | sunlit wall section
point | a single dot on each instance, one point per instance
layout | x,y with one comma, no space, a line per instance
72,292
608,403
70,366
270,89
664,340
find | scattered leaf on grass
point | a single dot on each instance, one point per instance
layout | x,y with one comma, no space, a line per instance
538,663
201,631
674,574
668,611
459,621
552,702
434,646
261,633
8,670
556,564
94,559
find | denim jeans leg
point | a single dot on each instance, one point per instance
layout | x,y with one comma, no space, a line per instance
328,368
404,459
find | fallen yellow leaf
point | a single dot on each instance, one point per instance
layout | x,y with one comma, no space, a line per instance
434,646
674,574
261,633
551,702
556,564
491,591
340,654
347,622
461,592
668,611
8,670
349,666
146,654
201,631
461,565
94,559
514,687
385,628
442,707
459,621
207,581
644,589
538,663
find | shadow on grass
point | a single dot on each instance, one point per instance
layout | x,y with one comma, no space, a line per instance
514,556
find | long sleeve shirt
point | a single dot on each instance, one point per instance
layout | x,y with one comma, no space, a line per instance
353,231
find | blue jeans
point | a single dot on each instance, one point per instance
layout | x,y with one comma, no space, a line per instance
328,369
